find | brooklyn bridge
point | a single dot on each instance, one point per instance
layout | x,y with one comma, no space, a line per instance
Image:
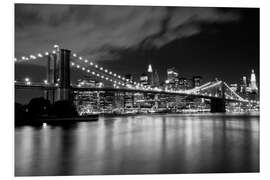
58,87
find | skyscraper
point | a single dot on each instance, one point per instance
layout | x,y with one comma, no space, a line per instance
150,75
172,81
156,79
253,84
144,80
196,81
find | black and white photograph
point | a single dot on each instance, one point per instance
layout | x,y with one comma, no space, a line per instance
135,89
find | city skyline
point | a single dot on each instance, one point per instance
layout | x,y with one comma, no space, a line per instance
230,34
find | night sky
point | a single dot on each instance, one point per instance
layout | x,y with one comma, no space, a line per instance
210,42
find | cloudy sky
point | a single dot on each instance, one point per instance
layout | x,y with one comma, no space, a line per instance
211,42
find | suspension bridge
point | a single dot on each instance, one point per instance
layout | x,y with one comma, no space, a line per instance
57,85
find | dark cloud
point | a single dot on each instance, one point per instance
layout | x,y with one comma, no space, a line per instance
96,31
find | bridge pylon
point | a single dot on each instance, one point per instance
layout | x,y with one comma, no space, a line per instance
63,75
218,105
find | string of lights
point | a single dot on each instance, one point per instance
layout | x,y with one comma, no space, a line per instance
104,70
98,75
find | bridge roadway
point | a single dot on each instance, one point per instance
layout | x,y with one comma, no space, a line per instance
134,90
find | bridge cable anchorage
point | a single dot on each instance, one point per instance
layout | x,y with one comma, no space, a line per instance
105,71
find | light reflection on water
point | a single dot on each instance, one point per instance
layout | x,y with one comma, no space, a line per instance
140,144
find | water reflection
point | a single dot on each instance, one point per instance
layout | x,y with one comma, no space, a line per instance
141,144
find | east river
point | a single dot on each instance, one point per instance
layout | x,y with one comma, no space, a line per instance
171,143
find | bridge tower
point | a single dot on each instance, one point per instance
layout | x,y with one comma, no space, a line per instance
63,75
218,104
51,77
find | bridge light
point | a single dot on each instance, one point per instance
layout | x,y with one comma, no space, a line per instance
114,74
23,57
40,55
88,70
26,79
74,55
119,76
46,53
86,61
96,66
32,57
45,82
106,78
78,66
93,73
83,68
101,68
72,63
91,63
56,46
80,58
102,77
106,70
54,52
97,74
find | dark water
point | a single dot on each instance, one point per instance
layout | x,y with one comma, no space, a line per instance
139,145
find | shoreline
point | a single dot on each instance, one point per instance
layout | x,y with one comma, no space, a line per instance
94,118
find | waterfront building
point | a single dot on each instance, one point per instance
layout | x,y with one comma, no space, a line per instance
86,102
106,101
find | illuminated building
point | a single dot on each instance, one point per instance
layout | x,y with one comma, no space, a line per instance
196,81
184,83
144,79
234,87
87,102
243,86
129,77
172,81
106,101
156,79
172,75
150,75
253,84
128,100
